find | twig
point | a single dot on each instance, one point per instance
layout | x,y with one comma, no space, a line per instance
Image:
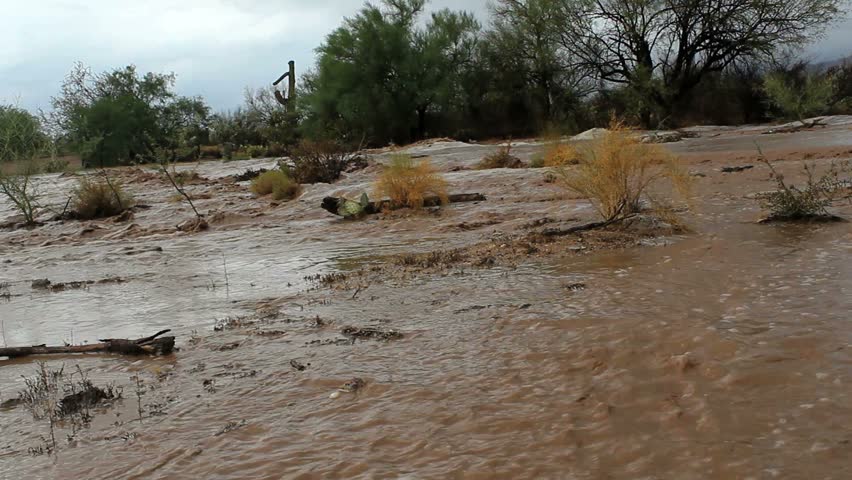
227,282
181,191
553,232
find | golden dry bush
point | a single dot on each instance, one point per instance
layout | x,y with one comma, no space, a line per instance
559,154
407,182
277,183
615,171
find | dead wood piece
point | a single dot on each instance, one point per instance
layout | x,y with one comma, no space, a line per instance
737,169
333,204
153,345
371,333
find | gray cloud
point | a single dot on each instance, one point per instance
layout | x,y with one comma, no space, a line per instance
216,47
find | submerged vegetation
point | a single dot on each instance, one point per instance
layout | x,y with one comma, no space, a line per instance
789,202
100,197
407,182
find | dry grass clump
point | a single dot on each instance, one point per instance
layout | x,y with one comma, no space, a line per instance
559,154
617,169
502,158
277,183
407,183
100,198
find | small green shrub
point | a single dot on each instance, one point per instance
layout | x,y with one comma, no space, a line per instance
537,162
277,183
256,151
100,198
793,203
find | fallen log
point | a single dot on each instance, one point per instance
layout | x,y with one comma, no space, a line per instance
153,345
345,207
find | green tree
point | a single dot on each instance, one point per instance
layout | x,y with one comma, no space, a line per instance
662,49
524,42
380,75
21,135
121,116
800,95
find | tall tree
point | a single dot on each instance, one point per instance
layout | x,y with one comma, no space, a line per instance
119,116
663,48
525,38
380,74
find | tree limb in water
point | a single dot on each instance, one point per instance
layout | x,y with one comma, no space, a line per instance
153,345
333,204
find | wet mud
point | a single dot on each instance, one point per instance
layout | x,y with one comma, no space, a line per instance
463,342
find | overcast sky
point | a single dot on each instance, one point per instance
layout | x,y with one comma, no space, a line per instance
216,47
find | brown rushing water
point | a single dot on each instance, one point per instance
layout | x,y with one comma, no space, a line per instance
725,353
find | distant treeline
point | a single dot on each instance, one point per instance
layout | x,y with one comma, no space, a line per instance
389,75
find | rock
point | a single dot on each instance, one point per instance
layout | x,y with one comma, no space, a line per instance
592,134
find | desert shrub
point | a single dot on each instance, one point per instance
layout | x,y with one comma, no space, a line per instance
100,197
55,165
276,150
407,183
559,154
792,203
21,189
256,151
537,161
277,183
617,169
502,158
209,152
321,161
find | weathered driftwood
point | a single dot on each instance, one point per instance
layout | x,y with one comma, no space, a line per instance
153,345
333,204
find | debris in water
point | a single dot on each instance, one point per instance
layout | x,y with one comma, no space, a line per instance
371,333
297,365
41,284
737,169
351,386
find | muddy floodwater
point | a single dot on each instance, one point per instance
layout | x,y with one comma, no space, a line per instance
721,352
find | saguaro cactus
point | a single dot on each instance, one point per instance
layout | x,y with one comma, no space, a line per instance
288,102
